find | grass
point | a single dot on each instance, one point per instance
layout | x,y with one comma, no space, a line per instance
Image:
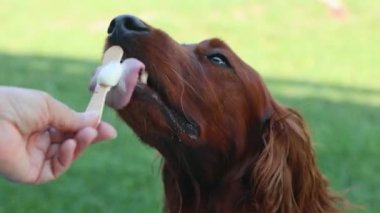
327,69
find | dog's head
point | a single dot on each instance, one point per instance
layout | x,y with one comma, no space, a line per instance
200,100
210,115
196,94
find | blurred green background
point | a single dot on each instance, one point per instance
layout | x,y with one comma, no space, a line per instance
328,69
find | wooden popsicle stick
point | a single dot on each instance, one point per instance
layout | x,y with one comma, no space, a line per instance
96,104
98,99
113,53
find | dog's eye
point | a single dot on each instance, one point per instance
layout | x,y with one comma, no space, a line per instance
219,59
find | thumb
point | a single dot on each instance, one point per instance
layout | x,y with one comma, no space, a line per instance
65,119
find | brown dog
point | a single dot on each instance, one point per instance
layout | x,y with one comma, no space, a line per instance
227,145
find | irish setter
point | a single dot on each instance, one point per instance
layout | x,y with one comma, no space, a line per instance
227,145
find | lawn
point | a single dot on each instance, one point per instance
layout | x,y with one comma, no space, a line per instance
328,69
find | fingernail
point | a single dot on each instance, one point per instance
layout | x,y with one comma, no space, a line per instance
114,135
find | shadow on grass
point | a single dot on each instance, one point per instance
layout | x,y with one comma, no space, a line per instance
346,133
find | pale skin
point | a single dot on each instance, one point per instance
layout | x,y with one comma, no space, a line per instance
40,137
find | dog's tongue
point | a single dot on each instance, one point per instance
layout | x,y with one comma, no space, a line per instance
120,95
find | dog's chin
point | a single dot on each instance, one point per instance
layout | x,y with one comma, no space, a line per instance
149,105
142,94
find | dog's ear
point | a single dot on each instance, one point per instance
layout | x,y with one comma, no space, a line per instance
285,178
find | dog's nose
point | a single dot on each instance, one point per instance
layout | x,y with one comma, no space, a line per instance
124,24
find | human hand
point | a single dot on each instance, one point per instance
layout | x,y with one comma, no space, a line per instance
40,136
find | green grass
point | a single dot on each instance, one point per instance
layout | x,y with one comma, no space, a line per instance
327,69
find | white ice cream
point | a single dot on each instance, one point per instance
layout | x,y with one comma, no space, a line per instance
110,74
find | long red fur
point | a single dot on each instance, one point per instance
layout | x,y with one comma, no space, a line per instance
252,154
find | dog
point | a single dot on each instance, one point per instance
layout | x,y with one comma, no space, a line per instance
227,145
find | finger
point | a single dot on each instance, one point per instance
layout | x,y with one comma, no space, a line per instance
105,132
52,151
38,144
65,155
65,119
84,138
60,162
57,136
